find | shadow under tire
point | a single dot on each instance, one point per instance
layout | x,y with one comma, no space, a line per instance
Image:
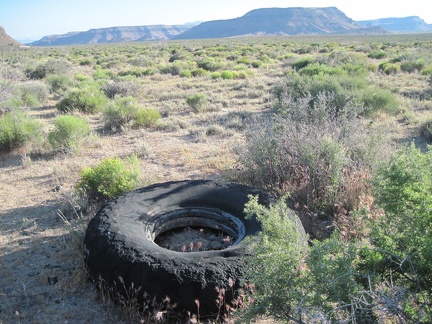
122,256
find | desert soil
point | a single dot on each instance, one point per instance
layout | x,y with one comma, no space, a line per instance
42,274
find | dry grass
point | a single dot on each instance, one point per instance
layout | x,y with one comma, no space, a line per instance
42,276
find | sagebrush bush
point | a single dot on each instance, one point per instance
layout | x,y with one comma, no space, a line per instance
32,94
59,83
146,117
343,88
17,129
50,67
121,88
68,133
412,66
120,113
197,101
110,178
311,149
85,99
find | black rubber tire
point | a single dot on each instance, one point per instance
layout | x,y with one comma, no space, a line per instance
120,251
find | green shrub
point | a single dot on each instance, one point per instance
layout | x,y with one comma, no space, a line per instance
210,64
227,75
137,72
49,67
256,64
301,63
17,129
120,113
197,101
102,74
32,94
412,66
389,68
110,178
426,130
199,72
146,117
427,70
59,83
402,237
321,69
68,133
343,88
377,55
86,100
277,252
215,75
376,99
186,73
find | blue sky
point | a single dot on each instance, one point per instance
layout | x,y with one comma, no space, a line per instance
33,19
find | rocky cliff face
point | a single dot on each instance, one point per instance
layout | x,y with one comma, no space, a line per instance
114,35
276,21
412,24
5,39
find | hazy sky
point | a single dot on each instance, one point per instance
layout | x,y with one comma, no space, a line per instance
33,19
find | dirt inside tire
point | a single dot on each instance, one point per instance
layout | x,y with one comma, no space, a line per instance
182,240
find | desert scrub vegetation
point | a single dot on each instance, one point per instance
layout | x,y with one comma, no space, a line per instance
356,279
110,178
68,133
18,129
86,99
120,88
121,113
313,148
310,116
197,101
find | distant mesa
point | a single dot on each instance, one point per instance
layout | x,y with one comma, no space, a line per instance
114,35
258,22
5,39
276,21
412,24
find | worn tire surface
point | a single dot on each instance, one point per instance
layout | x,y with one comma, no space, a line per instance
120,251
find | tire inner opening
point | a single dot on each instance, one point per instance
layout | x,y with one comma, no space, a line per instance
196,230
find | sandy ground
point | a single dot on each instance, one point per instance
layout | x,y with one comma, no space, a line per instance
42,275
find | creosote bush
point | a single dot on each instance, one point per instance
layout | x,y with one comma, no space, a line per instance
68,133
110,178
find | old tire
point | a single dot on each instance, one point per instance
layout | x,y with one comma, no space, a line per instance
121,255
